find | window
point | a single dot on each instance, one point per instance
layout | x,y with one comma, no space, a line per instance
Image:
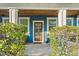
51,22
69,21
77,21
5,19
24,21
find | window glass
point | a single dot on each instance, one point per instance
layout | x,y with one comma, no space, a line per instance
52,23
6,20
0,20
69,22
24,21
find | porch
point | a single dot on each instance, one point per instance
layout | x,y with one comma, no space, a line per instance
43,18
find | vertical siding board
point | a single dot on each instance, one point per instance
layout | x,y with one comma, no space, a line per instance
75,21
0,19
30,40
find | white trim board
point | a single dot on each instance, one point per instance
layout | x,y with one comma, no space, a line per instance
43,31
77,20
47,8
42,8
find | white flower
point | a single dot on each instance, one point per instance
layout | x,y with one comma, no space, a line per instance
26,33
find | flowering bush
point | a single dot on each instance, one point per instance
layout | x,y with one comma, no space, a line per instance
12,39
64,40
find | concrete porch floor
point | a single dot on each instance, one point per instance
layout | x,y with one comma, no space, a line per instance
37,49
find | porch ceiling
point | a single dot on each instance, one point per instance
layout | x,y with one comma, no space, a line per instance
45,12
72,12
38,12
23,12
4,12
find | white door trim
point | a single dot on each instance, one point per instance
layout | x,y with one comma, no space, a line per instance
43,31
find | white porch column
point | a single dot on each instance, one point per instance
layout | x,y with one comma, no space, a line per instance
62,17
13,15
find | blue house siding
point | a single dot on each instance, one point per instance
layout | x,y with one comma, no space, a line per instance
38,18
43,18
75,21
0,19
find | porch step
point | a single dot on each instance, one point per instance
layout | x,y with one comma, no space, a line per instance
37,49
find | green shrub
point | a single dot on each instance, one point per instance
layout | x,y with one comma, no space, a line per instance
12,39
64,40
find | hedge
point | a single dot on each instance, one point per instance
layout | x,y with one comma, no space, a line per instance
12,39
64,41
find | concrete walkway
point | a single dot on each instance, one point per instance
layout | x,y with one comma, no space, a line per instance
37,49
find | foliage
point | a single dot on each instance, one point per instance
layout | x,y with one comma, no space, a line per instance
12,38
64,40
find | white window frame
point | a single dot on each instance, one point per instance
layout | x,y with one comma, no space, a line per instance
48,18
71,18
3,18
27,18
77,20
